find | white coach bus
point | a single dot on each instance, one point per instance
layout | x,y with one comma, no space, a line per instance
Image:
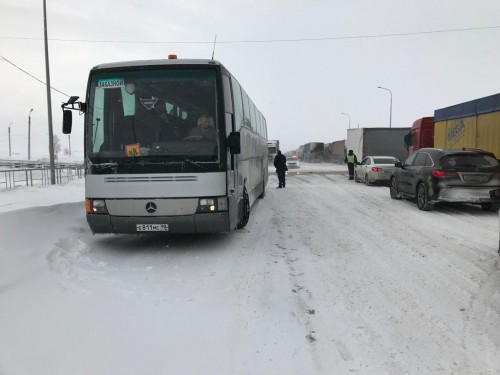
170,146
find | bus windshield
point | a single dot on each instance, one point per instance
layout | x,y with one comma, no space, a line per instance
156,114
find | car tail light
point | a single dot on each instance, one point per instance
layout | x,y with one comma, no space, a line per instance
438,173
376,169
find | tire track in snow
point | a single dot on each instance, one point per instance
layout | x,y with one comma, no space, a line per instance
297,243
481,328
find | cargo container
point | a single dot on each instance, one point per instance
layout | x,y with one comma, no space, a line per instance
377,141
473,124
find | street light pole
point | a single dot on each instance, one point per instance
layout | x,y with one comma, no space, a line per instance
390,113
9,139
29,133
345,114
49,103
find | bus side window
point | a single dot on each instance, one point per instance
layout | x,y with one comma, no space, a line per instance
238,105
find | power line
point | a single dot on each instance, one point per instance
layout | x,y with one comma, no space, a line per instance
32,76
262,40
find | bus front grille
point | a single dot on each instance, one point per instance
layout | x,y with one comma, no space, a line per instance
180,178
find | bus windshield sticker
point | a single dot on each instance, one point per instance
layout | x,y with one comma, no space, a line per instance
132,150
148,103
111,83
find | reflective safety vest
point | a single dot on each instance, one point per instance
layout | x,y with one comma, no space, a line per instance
350,158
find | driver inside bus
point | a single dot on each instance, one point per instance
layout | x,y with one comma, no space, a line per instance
204,130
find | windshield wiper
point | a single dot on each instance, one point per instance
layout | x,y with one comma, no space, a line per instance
103,166
195,164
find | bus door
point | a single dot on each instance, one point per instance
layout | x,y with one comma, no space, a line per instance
233,186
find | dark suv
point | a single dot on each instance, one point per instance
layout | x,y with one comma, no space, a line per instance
434,175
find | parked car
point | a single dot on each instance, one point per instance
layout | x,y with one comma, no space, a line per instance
433,175
292,162
375,169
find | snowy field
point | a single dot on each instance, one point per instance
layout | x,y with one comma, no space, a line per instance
328,277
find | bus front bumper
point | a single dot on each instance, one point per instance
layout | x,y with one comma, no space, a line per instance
198,223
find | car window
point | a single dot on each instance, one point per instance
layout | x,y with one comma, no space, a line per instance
385,160
409,160
420,160
366,161
468,160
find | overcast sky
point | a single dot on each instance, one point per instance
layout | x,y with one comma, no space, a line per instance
302,62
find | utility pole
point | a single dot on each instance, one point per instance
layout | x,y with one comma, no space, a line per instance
29,134
49,102
9,139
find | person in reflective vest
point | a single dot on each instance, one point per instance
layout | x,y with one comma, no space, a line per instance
351,160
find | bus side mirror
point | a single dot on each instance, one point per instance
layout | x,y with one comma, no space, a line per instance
234,144
67,121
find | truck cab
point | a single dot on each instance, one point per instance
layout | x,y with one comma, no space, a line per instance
421,135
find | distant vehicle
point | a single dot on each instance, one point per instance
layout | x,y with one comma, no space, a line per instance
375,169
293,162
313,152
433,175
272,149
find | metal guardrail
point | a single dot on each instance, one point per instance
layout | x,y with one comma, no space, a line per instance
28,173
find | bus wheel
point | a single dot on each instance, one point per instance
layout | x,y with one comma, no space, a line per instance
246,210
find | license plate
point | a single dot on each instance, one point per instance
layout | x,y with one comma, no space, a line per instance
152,227
475,178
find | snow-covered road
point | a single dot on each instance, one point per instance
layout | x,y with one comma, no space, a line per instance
328,277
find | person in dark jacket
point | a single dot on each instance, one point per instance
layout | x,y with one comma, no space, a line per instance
351,160
281,168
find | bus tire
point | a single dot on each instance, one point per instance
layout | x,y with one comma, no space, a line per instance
246,210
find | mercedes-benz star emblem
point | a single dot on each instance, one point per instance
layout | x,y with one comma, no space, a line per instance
150,207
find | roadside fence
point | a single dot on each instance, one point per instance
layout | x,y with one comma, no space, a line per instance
29,173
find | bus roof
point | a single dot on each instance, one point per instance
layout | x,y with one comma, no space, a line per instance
159,62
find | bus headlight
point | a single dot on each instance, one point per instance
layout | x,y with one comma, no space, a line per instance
207,205
95,206
212,204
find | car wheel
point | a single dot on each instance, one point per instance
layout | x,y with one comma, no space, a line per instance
492,207
423,199
367,180
395,194
246,210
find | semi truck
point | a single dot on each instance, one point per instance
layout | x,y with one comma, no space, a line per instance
272,149
377,141
336,152
472,124
420,135
313,152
